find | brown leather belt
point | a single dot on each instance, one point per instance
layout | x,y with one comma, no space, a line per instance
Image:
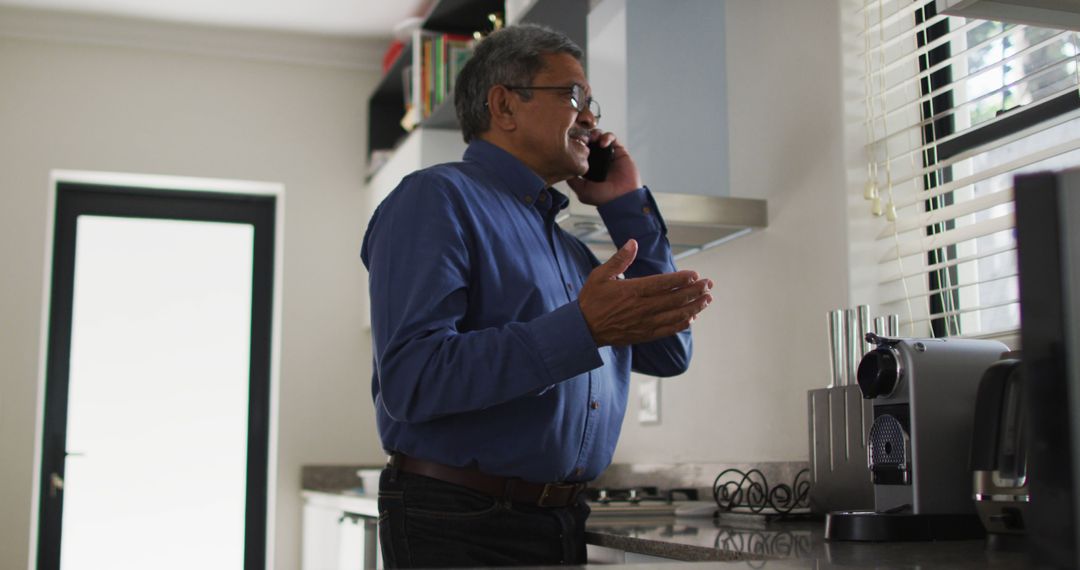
517,490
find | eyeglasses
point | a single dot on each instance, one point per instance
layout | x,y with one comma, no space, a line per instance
578,100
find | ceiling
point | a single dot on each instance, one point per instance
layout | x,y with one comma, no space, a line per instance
357,18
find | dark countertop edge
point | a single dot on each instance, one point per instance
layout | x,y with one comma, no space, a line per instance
672,550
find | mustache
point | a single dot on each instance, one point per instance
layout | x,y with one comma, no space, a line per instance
580,132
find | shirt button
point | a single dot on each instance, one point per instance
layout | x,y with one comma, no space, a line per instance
646,210
579,471
595,405
528,199
569,287
543,198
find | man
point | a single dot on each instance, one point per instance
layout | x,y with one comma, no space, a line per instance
503,348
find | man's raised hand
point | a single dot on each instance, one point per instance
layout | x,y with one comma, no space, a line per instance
622,312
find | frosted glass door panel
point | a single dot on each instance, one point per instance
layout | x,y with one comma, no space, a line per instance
158,395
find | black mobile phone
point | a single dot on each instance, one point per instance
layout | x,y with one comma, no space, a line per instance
599,161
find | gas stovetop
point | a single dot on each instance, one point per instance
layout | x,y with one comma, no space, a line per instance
641,501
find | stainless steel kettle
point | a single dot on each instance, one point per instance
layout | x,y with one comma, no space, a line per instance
999,449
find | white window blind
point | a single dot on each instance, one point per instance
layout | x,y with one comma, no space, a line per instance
955,108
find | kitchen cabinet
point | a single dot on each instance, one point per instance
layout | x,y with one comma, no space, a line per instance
340,532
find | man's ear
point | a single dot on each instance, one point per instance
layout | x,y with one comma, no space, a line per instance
502,106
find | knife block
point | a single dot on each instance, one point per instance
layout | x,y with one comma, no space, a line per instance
839,421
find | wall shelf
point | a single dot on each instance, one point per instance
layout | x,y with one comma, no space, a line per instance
386,106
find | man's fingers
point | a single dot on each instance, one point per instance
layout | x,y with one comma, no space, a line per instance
682,314
665,282
672,299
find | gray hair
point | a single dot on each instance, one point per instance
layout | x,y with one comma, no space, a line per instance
510,56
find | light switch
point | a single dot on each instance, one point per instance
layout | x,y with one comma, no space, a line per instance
649,401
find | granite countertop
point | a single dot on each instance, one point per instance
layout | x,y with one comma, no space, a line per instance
784,544
717,543
744,544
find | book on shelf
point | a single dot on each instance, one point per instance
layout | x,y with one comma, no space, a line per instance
427,75
458,51
441,57
438,85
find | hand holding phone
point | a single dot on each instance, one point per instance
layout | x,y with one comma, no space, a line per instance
610,173
599,161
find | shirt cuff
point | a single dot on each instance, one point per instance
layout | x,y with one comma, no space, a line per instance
632,215
564,343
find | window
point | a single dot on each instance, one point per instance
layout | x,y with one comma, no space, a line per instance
955,108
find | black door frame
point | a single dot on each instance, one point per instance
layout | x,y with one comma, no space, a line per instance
74,199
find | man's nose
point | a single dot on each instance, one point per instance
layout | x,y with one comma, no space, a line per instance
586,119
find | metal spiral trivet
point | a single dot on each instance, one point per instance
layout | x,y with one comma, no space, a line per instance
785,544
750,489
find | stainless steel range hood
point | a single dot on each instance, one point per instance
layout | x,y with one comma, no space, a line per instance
673,116
694,222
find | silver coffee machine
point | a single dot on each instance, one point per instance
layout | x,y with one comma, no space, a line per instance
923,393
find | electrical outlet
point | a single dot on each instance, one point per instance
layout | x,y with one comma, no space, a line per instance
649,401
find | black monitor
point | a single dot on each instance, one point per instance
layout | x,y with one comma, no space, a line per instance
1048,250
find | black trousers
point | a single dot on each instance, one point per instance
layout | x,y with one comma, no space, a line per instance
427,523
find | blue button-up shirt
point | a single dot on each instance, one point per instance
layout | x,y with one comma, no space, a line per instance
482,355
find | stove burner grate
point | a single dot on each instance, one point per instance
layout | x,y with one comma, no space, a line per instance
636,495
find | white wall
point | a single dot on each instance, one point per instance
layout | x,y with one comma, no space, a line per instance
145,110
762,342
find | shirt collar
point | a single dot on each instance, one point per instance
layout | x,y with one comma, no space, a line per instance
512,175
559,201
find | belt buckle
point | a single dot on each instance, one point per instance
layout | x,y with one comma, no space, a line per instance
550,487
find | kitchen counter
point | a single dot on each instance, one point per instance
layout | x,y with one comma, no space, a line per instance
746,542
784,544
